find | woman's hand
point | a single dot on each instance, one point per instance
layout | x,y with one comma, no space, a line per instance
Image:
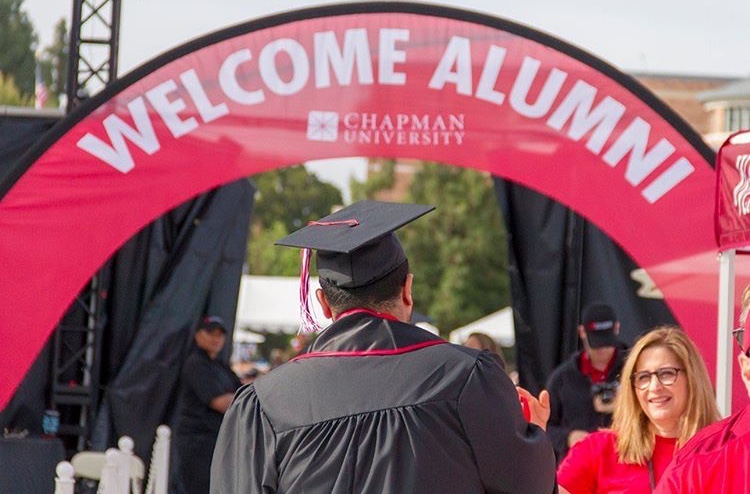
539,408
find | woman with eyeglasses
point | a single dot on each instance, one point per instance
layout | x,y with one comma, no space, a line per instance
664,398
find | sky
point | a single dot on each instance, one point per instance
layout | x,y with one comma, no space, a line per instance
688,37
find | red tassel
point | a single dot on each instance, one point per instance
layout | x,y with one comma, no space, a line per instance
309,324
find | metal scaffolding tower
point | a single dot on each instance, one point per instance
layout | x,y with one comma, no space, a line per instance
77,343
94,42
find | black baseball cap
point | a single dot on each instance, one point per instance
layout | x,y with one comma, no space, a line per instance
209,323
599,321
357,245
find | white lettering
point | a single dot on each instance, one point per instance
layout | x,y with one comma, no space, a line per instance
490,72
458,54
633,141
579,101
328,54
389,56
169,110
522,85
207,110
668,180
231,86
117,154
269,70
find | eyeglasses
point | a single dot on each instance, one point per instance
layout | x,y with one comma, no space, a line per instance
666,375
739,337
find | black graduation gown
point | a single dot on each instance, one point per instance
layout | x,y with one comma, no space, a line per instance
379,406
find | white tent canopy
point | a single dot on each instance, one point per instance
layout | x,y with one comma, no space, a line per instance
498,326
270,304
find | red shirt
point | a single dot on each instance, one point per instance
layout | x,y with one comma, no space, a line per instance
588,369
592,466
716,459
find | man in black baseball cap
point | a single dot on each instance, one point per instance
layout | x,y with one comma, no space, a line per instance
375,404
601,326
582,389
206,390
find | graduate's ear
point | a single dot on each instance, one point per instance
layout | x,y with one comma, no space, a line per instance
323,301
406,297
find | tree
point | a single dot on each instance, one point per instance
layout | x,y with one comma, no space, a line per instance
265,258
459,252
382,179
54,63
17,44
10,95
286,200
293,196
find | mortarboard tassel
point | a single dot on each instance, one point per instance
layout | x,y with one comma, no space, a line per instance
308,324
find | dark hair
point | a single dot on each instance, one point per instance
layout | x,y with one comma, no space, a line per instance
377,296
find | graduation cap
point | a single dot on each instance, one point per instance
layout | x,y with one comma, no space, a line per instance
356,246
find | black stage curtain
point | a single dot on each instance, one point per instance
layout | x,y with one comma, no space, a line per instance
187,263
17,135
559,263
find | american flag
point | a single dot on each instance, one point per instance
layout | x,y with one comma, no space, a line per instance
40,90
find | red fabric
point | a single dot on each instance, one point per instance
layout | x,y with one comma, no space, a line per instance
592,467
382,315
732,216
715,460
596,375
372,353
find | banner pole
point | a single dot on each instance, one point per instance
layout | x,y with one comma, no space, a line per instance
724,332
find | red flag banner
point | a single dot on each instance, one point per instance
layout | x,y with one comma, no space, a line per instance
733,192
373,80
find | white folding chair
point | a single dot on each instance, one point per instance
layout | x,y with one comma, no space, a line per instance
158,471
118,471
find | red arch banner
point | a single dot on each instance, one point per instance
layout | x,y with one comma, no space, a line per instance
396,80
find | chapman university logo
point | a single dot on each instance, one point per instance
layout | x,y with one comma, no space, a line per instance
741,196
401,129
323,126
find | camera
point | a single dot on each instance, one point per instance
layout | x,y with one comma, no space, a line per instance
606,391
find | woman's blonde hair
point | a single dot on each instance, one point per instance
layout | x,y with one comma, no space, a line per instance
635,437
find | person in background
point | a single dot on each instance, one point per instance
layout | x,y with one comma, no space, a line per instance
206,390
376,404
583,388
716,459
665,397
481,341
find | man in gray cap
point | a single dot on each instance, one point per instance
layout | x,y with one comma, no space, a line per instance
376,404
582,389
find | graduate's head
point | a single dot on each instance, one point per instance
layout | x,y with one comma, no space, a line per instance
359,258
383,295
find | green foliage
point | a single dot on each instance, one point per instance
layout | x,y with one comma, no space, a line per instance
383,179
17,44
459,252
265,258
54,64
286,200
10,95
293,196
